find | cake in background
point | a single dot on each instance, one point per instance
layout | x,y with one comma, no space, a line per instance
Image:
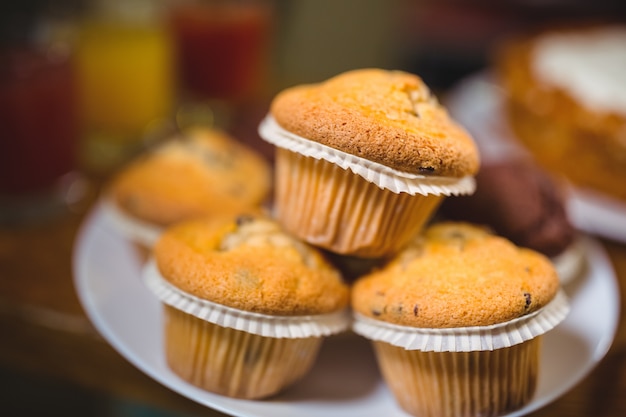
364,159
457,320
246,305
200,172
566,102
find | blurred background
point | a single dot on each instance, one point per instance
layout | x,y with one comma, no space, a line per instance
86,85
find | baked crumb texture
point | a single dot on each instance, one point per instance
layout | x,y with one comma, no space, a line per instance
457,275
248,262
205,172
389,117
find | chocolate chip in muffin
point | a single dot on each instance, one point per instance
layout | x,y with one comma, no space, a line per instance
527,301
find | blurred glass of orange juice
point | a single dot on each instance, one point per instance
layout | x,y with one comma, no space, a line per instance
125,79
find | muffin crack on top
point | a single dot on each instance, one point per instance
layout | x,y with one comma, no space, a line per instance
419,98
261,233
389,117
249,263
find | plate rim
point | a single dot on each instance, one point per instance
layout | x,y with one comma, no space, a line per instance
93,228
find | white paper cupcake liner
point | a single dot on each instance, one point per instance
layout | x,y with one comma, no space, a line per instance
255,323
381,175
141,232
466,339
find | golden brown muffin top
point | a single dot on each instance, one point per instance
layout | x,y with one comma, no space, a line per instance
205,172
248,262
389,117
457,275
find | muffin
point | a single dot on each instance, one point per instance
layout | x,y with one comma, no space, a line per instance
364,159
457,319
565,102
204,172
246,305
520,201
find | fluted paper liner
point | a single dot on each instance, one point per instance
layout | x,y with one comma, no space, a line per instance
352,216
231,362
255,323
466,339
454,384
383,176
133,229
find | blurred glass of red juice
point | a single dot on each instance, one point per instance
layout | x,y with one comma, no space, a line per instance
222,47
38,125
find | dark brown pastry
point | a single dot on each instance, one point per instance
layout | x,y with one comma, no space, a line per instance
519,201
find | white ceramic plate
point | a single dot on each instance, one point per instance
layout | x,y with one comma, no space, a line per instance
476,103
345,380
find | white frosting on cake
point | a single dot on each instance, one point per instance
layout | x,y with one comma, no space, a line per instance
590,66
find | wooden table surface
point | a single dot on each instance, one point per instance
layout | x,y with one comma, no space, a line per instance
47,337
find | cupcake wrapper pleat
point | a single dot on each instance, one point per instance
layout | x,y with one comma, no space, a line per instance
232,362
331,207
373,172
461,384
